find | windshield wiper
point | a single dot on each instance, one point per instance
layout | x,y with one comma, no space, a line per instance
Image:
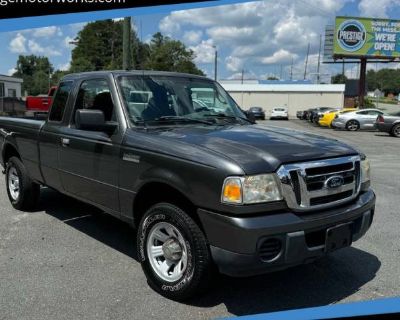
180,119
226,116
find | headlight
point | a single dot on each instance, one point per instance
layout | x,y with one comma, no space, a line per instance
365,170
251,189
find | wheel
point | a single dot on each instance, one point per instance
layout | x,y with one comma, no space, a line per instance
352,125
21,190
395,132
173,252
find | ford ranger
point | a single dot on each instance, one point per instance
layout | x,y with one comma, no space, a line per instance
206,188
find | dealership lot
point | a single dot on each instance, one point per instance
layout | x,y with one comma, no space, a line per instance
70,261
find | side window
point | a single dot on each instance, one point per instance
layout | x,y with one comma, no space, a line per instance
60,101
362,112
374,113
95,94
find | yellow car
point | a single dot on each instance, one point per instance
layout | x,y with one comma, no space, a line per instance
327,118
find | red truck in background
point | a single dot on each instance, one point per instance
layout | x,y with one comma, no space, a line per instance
39,105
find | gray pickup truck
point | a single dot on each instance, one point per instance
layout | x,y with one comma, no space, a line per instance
206,188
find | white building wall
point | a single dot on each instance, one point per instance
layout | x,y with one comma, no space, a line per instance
11,83
294,97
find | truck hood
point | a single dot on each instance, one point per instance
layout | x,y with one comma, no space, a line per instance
254,148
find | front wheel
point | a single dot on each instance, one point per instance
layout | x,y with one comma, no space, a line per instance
352,125
395,132
173,252
22,192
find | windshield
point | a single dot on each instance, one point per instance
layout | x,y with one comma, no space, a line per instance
153,98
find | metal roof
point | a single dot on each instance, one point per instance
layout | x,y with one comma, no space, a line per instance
284,87
4,77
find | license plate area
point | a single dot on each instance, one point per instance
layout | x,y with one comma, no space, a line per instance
338,237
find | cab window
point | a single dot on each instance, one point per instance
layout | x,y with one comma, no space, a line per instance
95,95
60,101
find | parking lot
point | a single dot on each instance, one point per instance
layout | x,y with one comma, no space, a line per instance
70,261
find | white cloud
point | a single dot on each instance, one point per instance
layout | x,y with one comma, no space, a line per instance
280,56
234,64
204,51
64,67
17,45
255,33
11,71
193,36
47,32
36,48
376,8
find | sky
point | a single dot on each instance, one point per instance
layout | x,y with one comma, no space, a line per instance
261,37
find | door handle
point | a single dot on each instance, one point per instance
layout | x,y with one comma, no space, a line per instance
64,142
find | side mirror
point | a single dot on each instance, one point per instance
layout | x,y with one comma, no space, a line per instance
250,116
93,120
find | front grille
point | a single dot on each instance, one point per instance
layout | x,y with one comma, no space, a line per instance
310,185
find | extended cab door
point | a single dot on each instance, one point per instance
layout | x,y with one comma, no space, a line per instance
89,160
49,138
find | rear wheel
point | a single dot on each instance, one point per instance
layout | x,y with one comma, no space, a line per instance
395,132
352,125
22,192
173,252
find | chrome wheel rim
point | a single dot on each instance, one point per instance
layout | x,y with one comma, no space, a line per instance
352,126
167,251
13,183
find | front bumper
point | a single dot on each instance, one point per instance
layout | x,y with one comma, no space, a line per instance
235,242
338,124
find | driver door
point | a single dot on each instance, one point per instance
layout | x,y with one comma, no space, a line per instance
88,159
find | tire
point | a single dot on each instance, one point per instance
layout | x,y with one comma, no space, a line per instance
187,240
352,125
395,132
22,192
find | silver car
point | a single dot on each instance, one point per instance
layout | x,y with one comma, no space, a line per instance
356,120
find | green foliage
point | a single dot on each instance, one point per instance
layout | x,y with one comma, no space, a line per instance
339,79
99,47
35,71
386,80
272,78
368,103
166,54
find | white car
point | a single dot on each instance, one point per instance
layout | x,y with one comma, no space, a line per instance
279,113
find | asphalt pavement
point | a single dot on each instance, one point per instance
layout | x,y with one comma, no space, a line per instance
68,260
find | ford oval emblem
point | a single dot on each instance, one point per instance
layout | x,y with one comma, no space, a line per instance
334,182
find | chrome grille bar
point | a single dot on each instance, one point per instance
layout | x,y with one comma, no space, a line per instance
294,181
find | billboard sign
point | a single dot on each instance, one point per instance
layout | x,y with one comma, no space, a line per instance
366,37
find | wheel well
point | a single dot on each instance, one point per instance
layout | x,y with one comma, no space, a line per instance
9,152
155,192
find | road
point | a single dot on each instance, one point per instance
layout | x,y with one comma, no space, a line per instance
69,261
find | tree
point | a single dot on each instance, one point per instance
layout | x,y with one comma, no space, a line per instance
166,54
272,78
35,72
386,80
339,79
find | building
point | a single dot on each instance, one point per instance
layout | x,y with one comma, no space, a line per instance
295,97
10,87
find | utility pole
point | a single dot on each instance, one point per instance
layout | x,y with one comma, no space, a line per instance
242,76
291,70
319,60
280,74
126,44
306,62
215,63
